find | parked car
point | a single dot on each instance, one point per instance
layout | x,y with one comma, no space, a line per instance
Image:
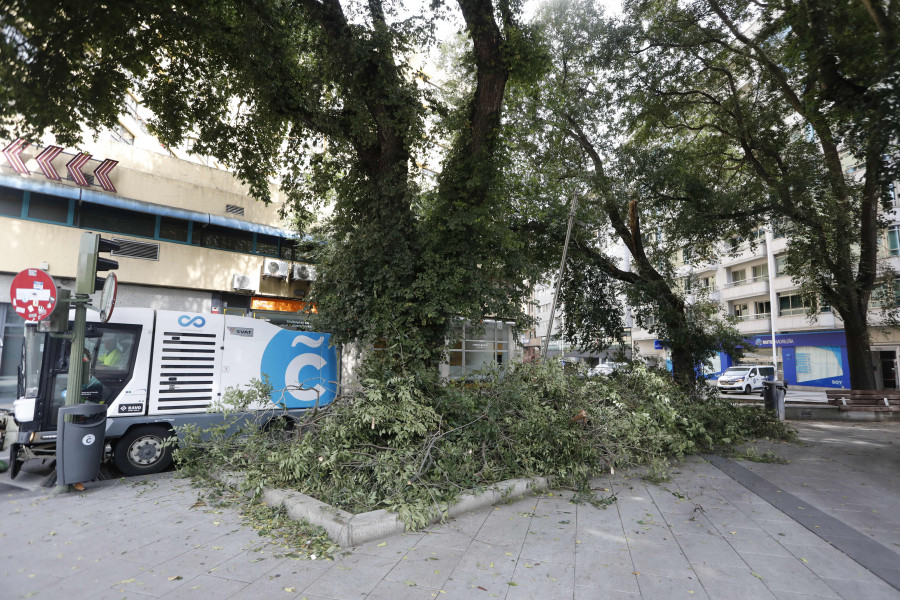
745,378
603,369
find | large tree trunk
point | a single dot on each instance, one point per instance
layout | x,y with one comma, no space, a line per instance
859,351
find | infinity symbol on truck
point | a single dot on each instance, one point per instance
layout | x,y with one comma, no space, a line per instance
185,320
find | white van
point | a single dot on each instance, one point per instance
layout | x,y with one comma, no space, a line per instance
745,378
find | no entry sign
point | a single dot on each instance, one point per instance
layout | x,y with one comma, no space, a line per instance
33,294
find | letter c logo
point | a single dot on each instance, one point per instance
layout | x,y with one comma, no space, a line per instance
185,320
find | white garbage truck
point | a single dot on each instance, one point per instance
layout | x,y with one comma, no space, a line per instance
157,370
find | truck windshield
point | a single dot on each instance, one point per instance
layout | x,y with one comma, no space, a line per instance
32,360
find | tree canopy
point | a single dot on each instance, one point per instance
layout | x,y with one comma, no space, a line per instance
792,93
322,94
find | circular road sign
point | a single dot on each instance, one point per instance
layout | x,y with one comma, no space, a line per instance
33,294
108,297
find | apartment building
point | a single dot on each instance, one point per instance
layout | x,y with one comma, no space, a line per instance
750,284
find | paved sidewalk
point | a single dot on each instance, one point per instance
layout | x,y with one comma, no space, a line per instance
700,535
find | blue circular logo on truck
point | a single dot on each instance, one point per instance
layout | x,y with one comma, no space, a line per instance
302,369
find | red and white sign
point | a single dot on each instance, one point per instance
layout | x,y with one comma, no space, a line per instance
45,159
12,153
102,174
45,162
33,294
74,167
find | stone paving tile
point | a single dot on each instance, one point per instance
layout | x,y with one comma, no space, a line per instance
465,584
291,574
395,546
788,575
709,549
827,561
542,581
588,593
393,590
353,576
504,529
428,567
854,589
248,566
25,582
732,584
487,558
204,587
668,588
664,560
606,571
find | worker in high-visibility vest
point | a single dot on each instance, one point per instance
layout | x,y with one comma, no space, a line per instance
110,356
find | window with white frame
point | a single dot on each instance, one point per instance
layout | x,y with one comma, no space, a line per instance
738,277
741,310
763,309
893,240
475,347
760,272
121,134
780,265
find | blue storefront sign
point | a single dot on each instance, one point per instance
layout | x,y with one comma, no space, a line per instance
816,359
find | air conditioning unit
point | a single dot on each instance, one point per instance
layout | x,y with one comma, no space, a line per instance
303,272
241,282
275,268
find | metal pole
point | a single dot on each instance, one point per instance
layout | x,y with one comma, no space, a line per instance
562,268
773,297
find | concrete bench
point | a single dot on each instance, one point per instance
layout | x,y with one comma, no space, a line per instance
868,400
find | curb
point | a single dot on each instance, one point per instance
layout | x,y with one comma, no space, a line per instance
348,529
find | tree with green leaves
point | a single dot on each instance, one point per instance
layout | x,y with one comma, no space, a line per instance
789,94
632,225
322,95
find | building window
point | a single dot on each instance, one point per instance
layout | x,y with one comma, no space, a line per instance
893,240
117,220
760,272
10,202
763,309
175,230
794,305
266,245
223,238
780,265
886,294
477,347
48,208
741,310
815,363
739,277
121,134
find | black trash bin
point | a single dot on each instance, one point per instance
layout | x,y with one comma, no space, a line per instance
773,397
79,442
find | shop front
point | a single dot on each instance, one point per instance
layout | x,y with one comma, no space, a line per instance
813,359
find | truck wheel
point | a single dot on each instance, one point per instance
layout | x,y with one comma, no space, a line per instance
747,389
141,451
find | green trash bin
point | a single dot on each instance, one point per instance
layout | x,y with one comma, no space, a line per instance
773,397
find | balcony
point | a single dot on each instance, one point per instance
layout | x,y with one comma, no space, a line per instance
745,288
744,254
755,324
783,283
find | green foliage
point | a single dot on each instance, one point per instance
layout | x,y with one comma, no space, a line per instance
411,447
298,539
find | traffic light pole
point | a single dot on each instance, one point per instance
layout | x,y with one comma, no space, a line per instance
85,285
